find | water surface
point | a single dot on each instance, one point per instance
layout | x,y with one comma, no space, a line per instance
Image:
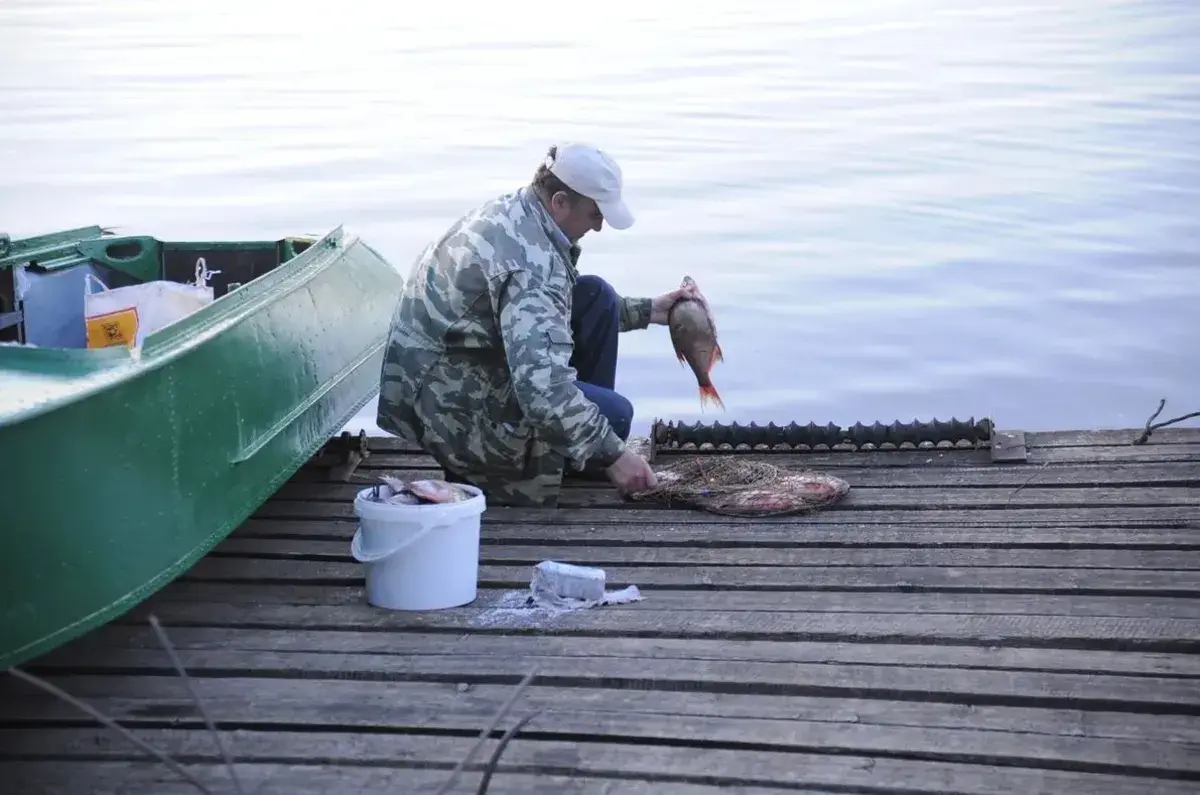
898,209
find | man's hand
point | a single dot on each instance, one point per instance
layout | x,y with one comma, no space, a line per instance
660,307
630,473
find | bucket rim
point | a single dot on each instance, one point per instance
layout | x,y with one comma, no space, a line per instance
477,499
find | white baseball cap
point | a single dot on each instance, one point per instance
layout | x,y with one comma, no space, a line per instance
590,171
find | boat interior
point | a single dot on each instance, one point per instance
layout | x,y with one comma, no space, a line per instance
43,280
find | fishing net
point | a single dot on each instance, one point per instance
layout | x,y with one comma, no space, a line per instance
738,486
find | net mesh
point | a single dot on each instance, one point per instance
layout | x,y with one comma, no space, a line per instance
739,486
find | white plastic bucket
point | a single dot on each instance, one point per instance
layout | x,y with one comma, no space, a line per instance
419,557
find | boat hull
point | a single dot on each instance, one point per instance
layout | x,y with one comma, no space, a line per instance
119,487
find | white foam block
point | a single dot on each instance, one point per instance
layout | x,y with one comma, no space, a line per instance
568,581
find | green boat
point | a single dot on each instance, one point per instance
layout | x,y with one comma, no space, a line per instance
125,463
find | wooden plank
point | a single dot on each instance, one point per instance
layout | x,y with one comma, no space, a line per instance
126,777
1117,453
949,498
884,458
399,459
859,497
351,702
631,555
731,601
94,646
753,534
998,476
1111,437
1091,515
264,669
264,778
1127,453
1178,434
1009,447
1074,446
980,579
832,737
581,768
1168,635
365,476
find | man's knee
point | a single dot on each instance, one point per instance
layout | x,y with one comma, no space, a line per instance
615,407
620,414
595,294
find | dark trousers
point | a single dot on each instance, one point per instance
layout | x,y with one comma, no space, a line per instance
595,325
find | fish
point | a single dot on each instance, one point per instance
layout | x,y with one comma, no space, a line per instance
404,498
394,483
422,492
694,337
436,491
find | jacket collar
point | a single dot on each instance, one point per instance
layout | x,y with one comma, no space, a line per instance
534,206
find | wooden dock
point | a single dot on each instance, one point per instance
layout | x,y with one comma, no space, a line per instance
955,626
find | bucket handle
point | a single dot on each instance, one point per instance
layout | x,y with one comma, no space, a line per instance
356,550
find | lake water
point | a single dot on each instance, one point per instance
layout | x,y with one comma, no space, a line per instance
898,209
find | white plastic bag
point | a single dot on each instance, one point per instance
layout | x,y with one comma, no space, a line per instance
126,315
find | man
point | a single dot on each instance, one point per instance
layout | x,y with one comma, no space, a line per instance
501,358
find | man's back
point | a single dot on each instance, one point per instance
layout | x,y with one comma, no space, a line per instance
446,314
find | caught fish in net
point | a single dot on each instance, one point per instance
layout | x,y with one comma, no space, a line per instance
737,486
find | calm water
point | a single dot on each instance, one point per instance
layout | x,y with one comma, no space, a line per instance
899,209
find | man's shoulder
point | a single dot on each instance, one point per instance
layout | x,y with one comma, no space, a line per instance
503,236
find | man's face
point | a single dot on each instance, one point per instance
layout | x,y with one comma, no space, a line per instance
575,221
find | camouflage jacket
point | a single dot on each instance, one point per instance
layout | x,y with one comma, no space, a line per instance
476,365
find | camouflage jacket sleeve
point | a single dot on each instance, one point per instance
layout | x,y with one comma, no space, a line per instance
538,346
635,313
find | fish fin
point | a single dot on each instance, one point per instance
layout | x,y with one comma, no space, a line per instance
709,394
679,356
718,356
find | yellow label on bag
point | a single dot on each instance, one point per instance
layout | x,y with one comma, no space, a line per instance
114,328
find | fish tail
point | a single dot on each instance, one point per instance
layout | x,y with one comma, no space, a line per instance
708,394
